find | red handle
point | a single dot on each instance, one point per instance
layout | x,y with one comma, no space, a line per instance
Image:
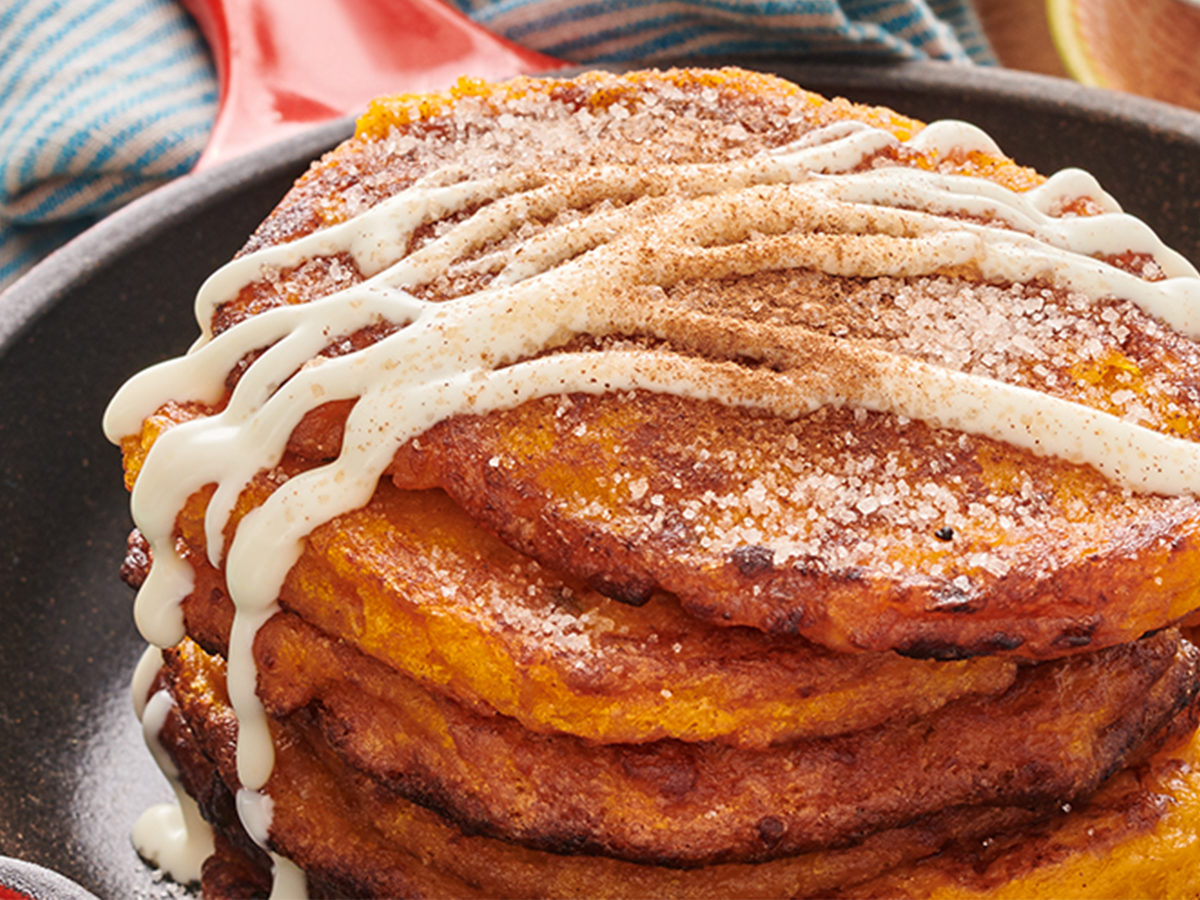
285,65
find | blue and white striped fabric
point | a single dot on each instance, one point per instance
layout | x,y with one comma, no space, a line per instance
626,30
101,100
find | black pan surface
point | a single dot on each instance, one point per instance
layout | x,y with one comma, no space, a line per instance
73,771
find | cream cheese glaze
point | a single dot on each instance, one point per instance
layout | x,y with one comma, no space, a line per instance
597,276
173,836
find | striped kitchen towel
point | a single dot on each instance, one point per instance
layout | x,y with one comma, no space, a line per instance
626,30
101,100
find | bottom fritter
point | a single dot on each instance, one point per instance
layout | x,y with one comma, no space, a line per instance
1135,837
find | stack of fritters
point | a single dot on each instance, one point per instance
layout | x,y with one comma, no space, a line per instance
630,643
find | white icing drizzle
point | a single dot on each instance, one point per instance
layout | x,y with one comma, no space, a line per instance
255,809
148,666
288,881
807,207
172,836
954,135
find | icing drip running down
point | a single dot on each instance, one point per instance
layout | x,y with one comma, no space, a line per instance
174,837
809,205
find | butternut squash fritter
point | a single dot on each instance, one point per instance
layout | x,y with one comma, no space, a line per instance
612,642
924,541
363,841
453,607
1137,838
1052,738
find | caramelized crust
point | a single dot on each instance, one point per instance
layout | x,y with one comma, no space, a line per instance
340,814
539,646
926,541
449,605
676,803
1138,838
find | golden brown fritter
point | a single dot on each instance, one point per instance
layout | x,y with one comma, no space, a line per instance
1138,838
846,528
1052,738
411,581
383,724
320,824
337,809
463,612
857,531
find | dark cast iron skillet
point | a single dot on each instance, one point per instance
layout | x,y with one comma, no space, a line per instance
73,772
